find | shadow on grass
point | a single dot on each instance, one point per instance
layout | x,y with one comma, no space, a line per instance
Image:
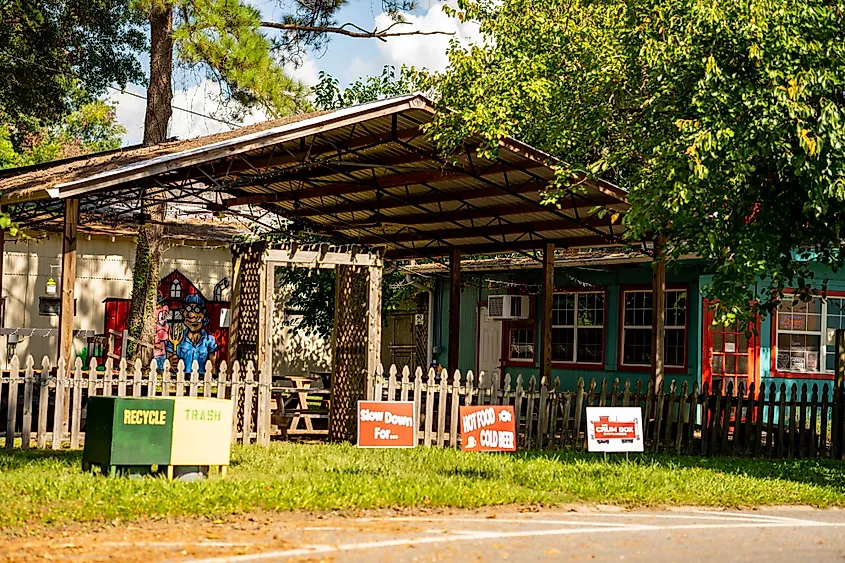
487,474
820,472
17,459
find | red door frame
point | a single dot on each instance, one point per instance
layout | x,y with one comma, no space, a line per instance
753,351
707,343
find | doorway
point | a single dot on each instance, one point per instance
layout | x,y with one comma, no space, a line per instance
731,354
489,348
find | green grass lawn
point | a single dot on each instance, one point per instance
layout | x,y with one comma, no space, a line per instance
42,487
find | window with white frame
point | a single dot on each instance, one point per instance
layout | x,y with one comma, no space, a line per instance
578,327
636,328
176,289
521,344
805,333
834,319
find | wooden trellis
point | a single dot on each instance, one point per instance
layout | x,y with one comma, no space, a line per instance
248,273
349,351
357,319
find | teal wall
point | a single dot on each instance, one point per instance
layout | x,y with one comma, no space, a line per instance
612,279
476,289
836,282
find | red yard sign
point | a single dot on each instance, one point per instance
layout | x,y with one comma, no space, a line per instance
605,429
386,424
489,428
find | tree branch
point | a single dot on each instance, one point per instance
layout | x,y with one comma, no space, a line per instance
358,32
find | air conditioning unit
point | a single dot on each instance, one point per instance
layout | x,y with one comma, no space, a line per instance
508,307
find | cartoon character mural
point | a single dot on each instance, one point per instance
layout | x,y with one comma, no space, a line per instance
188,326
188,340
162,332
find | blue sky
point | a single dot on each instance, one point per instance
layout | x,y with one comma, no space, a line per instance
345,58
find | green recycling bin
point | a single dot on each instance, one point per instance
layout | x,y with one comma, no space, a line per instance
137,433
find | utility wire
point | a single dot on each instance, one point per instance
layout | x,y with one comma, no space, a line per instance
133,94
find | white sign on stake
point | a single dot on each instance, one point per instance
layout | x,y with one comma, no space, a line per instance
615,429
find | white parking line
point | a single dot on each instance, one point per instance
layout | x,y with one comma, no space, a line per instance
749,516
698,516
737,521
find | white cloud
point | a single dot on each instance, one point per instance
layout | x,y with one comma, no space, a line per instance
425,51
358,68
202,99
130,114
306,72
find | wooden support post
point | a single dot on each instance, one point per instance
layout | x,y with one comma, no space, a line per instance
454,310
374,319
267,281
234,306
68,280
267,295
658,321
67,311
3,303
548,291
836,435
839,377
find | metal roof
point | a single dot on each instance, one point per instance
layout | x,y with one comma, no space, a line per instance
365,175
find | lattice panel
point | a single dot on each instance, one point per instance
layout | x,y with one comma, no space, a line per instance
421,331
246,306
349,360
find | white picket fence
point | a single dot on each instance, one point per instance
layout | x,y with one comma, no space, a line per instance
52,411
438,397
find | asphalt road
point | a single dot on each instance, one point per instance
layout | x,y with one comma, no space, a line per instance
688,535
490,534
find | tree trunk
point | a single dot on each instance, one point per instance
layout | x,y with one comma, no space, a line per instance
160,90
147,270
145,277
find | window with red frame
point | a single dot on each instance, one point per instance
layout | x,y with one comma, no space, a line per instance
578,327
636,328
521,343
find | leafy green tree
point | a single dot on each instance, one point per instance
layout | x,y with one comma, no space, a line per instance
91,128
57,58
724,120
59,55
329,95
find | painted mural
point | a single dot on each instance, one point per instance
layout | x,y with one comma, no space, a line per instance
188,341
188,326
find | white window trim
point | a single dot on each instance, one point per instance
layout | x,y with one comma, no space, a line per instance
176,284
822,333
576,326
625,327
533,357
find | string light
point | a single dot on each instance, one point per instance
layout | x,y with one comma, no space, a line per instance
196,247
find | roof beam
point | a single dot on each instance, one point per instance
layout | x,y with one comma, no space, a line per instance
338,188
414,199
490,230
505,189
461,214
429,176
489,248
327,149
325,167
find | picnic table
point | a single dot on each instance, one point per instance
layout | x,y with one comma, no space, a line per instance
292,393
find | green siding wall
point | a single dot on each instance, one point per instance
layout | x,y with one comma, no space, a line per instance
612,279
